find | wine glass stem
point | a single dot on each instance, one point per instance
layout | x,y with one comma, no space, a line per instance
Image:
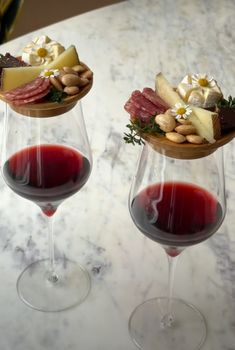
168,319
52,275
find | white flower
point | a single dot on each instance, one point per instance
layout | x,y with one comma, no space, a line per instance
202,80
42,51
181,111
47,73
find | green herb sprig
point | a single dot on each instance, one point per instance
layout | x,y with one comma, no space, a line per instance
137,128
56,95
230,102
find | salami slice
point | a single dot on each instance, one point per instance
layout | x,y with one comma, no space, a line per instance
44,86
152,96
144,116
145,104
31,99
142,102
136,111
131,108
26,88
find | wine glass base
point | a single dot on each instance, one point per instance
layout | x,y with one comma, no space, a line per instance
187,332
38,292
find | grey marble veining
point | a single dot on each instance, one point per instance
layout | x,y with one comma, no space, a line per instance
125,45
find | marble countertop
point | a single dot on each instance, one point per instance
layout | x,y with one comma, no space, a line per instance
125,45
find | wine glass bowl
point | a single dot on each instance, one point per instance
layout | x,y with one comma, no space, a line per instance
177,203
47,160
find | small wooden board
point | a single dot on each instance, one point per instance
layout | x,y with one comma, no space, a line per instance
50,109
186,150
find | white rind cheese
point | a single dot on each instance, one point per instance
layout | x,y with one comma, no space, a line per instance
41,51
200,96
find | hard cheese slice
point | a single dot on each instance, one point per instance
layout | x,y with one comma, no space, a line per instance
209,121
68,58
14,77
166,92
206,122
17,76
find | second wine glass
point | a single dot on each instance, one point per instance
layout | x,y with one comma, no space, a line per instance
47,160
177,203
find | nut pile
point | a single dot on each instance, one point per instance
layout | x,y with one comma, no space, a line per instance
72,79
178,131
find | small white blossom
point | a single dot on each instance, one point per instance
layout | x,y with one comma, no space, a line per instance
47,73
202,80
181,111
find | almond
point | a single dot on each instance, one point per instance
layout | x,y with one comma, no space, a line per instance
166,122
70,80
71,90
196,139
69,70
175,137
185,129
56,83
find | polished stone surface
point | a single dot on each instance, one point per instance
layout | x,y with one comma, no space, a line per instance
125,45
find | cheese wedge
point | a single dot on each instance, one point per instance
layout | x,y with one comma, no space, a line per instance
68,58
206,122
17,76
166,92
210,122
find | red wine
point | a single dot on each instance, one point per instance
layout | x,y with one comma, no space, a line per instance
176,214
46,173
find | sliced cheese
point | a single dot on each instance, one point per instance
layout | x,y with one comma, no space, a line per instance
210,122
68,58
205,122
17,76
166,92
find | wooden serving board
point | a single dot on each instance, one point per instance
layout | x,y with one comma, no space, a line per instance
186,150
50,109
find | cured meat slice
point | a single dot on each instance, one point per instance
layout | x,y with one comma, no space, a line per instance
30,92
140,101
45,84
144,105
152,96
131,108
144,116
31,99
8,61
137,111
26,88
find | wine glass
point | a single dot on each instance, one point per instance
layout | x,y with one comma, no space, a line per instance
46,160
177,203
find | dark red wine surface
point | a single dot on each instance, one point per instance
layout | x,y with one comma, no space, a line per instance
46,173
176,214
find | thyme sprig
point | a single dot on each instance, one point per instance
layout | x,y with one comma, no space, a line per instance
56,95
230,102
137,128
